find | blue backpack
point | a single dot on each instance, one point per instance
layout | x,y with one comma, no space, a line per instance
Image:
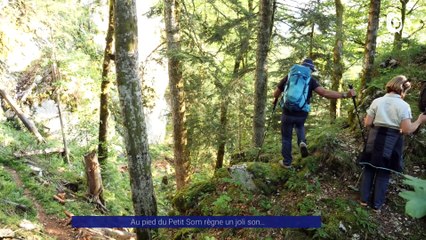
295,94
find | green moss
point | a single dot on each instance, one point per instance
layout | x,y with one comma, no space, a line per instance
268,177
187,233
221,174
347,212
188,198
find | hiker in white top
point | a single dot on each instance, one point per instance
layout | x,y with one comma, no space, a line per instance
389,117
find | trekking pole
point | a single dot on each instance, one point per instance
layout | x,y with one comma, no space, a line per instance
357,114
266,130
355,187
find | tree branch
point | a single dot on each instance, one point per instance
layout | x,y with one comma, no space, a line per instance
413,8
419,29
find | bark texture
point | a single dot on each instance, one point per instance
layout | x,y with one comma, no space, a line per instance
337,60
105,88
177,94
370,42
130,93
266,16
94,179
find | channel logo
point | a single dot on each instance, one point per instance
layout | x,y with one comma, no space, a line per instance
393,22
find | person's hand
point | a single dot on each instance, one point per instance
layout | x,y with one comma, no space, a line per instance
351,93
422,118
275,101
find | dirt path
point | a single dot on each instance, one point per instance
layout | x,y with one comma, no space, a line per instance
52,226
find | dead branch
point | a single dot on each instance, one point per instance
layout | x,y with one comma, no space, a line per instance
70,215
418,29
113,233
25,120
59,199
20,154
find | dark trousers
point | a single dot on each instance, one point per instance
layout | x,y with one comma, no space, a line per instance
375,183
287,125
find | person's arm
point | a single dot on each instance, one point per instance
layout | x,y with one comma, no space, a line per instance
330,94
279,89
408,127
368,121
277,93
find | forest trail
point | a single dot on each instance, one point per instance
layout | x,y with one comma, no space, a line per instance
52,226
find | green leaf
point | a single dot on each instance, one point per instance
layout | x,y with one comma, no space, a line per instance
416,205
418,184
416,200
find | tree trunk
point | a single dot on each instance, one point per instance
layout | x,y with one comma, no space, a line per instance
63,130
311,41
337,61
263,39
222,133
397,41
370,42
130,93
244,46
94,179
56,75
176,85
25,120
105,88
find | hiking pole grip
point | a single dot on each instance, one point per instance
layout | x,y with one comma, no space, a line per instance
357,114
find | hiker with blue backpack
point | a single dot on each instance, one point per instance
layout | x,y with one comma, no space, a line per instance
297,88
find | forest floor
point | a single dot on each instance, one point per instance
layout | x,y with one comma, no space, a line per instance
49,226
391,223
53,227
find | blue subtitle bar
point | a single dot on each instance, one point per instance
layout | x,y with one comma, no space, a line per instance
196,221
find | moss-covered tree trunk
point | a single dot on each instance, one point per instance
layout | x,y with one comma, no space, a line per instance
130,93
176,85
337,60
370,42
266,17
105,88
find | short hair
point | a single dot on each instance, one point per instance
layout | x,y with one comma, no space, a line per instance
398,84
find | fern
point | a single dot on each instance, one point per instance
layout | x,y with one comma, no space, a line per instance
416,200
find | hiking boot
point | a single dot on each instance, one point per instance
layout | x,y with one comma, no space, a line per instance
281,162
377,210
362,203
303,149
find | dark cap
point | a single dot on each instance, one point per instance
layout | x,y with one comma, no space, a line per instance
309,63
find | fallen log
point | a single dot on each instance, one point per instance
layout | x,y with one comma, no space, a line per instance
59,199
20,153
113,233
117,234
25,120
70,215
